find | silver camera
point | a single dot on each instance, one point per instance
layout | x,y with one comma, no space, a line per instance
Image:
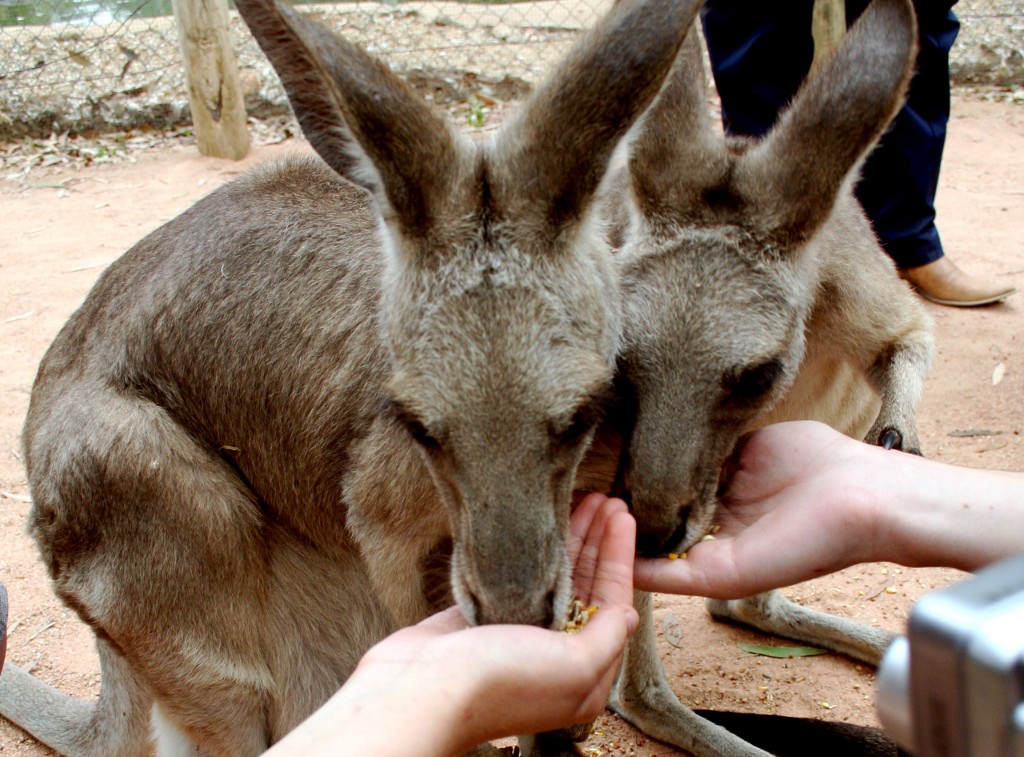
954,685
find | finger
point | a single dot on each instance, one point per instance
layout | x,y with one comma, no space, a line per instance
732,465
730,568
445,621
582,518
605,638
590,553
709,570
613,572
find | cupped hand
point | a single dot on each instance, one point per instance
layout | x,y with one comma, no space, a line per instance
798,503
468,685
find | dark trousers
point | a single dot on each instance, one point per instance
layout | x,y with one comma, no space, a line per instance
761,51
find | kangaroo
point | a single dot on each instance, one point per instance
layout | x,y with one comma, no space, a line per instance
276,416
753,290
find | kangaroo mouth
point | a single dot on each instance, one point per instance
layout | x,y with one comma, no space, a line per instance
700,524
694,522
682,538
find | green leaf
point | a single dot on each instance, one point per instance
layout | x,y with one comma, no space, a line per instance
782,651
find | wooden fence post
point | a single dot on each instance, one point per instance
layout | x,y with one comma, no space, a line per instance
214,89
828,25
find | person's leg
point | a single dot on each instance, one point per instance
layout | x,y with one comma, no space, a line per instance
900,177
760,53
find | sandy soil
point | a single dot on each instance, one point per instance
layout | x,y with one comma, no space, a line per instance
64,227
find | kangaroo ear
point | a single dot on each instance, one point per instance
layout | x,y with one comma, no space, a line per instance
679,152
557,150
796,173
365,122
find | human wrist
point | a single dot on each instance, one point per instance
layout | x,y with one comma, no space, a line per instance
860,501
948,515
899,493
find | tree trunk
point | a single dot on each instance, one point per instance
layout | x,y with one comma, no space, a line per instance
214,89
828,26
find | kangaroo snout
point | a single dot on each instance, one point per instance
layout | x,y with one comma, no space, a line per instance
672,511
507,582
533,610
672,537
525,600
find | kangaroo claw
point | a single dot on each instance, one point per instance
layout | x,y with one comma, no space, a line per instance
891,439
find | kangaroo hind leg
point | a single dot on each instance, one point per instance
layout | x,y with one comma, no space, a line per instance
117,724
774,614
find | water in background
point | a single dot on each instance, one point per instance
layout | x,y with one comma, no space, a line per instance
86,12
78,12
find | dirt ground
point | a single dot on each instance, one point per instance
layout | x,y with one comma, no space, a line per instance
62,227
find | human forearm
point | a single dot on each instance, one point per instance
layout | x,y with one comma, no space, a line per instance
390,719
937,514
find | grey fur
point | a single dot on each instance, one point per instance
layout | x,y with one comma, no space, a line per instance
273,418
215,481
754,291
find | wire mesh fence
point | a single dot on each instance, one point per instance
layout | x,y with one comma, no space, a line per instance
81,65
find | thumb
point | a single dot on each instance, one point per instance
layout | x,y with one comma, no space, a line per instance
445,621
708,570
608,629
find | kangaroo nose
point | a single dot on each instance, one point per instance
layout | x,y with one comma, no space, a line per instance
649,544
549,611
474,616
661,541
506,610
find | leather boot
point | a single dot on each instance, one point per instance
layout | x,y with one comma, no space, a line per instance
942,282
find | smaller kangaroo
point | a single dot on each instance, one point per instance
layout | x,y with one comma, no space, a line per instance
753,290
275,418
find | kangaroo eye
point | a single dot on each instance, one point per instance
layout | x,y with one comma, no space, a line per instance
585,418
582,422
590,412
755,381
420,434
412,424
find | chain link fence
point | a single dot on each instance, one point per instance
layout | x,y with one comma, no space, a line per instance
93,65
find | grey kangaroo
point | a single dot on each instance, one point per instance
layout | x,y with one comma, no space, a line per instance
206,442
273,417
754,290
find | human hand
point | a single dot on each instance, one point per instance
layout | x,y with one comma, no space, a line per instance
441,687
797,504
522,679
